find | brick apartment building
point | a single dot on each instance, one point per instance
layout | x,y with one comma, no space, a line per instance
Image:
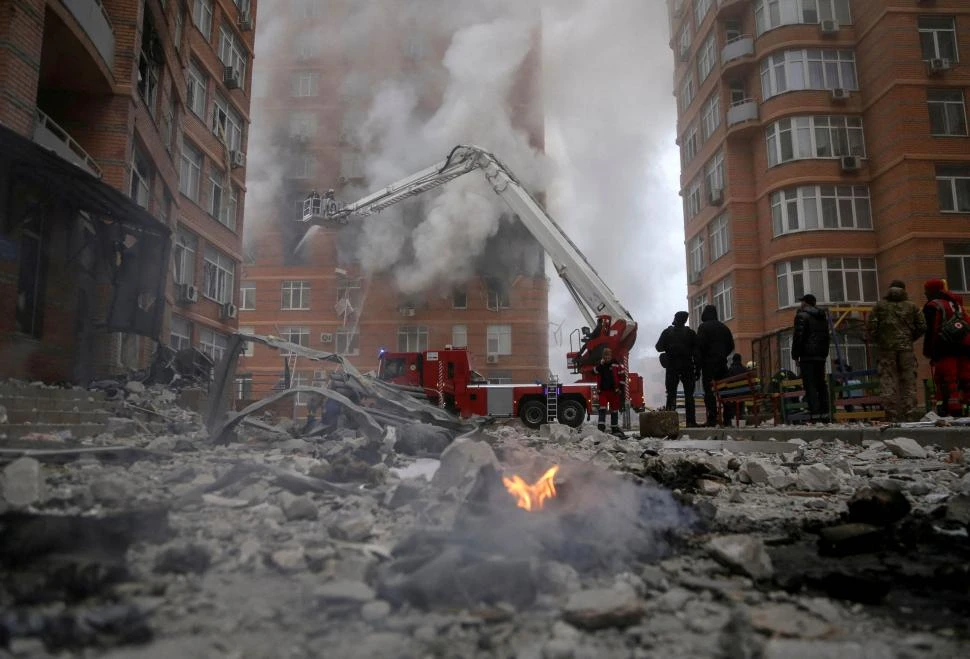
122,127
312,95
824,149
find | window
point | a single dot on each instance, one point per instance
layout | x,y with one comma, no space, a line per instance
701,7
948,114
213,343
697,304
233,53
711,114
298,335
169,122
714,173
141,178
831,280
190,171
303,124
196,83
183,256
723,298
249,345
695,257
687,92
770,14
347,342
459,336
719,234
218,271
242,5
244,386
150,58
953,186
498,340
811,68
813,207
179,28
180,334
497,293
800,138
226,123
957,259
223,202
412,339
689,148
351,164
247,297
202,17
938,38
306,167
684,39
692,200
295,295
707,57
305,84
459,298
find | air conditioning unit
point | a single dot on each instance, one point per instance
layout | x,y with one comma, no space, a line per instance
717,197
229,311
939,65
851,163
230,77
245,21
491,359
188,293
840,94
237,158
829,27
326,337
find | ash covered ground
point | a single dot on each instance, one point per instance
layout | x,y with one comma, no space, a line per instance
407,546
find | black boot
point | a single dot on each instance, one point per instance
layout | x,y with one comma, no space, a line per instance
601,427
617,430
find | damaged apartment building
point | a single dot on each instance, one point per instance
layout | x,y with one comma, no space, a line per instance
313,91
122,178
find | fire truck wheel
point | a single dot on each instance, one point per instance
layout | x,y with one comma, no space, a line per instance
532,413
571,413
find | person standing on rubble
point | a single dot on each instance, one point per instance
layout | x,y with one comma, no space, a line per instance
894,325
945,344
810,349
677,346
714,343
610,376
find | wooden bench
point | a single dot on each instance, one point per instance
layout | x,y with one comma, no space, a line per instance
739,390
858,390
791,401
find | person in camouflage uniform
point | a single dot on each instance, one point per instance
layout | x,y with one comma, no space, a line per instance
893,326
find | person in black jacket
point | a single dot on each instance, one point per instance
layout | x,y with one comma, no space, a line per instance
678,347
810,348
714,343
609,381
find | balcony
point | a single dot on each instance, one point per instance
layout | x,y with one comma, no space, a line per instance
742,46
94,20
54,138
730,8
742,116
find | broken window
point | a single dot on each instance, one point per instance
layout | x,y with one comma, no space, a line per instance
295,295
227,123
497,294
248,346
169,121
180,333
459,298
183,257
218,272
347,342
498,340
348,298
412,339
149,64
213,344
141,178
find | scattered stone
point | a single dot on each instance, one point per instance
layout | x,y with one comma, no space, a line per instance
904,447
22,483
121,427
743,553
603,608
461,462
674,600
345,592
354,528
190,558
422,439
958,509
557,433
848,539
709,487
111,491
558,648
817,478
375,611
135,387
289,560
786,620
558,578
300,508
963,486
348,469
786,648
878,506
781,480
404,493
736,497
223,502
755,472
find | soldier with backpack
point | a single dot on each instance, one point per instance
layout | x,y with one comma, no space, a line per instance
945,344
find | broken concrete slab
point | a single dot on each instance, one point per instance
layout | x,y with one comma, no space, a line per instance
422,440
461,462
742,553
817,478
905,447
300,508
603,608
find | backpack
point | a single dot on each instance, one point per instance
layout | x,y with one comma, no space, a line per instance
955,329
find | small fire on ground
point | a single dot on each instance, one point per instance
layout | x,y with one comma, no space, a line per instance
532,497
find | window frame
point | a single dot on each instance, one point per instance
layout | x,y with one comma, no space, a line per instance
688,92
936,32
415,338
956,175
781,203
218,275
232,52
142,178
190,170
959,254
214,344
714,173
290,290
347,342
247,294
197,83
722,297
502,336
816,275
707,57
793,12
711,115
799,67
692,198
184,252
804,130
696,256
719,236
456,331
202,17
184,340
944,110
302,333
691,144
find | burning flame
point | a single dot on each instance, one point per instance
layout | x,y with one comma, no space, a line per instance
532,497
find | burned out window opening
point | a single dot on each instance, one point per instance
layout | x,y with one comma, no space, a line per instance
350,290
196,83
295,295
127,350
459,298
213,343
498,340
30,209
150,61
497,294
247,297
139,257
412,339
180,333
183,256
142,174
190,171
218,273
347,342
233,53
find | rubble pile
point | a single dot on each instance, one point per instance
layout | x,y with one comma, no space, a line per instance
152,539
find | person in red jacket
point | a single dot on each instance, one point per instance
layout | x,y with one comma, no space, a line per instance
949,362
609,380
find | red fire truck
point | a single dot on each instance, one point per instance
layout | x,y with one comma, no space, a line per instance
446,376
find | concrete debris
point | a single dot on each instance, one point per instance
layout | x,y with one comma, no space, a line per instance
882,507
904,447
423,440
344,592
817,478
461,462
353,528
22,483
603,608
300,508
788,621
189,558
743,553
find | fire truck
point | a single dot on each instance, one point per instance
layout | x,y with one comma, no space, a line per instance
446,376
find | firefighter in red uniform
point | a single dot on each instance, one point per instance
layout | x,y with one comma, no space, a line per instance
609,381
949,355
